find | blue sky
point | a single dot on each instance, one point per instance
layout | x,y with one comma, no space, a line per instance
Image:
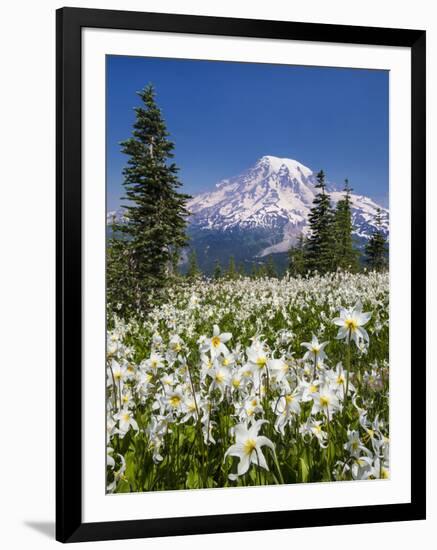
223,116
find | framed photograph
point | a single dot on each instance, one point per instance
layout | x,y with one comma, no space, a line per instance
240,274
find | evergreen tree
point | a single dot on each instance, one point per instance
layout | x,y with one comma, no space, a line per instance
270,268
321,242
254,271
193,270
296,258
346,256
241,270
376,248
217,270
154,231
261,271
232,271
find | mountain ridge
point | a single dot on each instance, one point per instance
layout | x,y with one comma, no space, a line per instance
262,211
277,194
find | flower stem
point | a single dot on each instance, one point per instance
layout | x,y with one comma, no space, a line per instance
278,468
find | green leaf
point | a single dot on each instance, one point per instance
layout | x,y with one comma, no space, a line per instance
193,481
123,487
303,470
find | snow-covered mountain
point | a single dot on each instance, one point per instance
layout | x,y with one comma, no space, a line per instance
274,197
261,212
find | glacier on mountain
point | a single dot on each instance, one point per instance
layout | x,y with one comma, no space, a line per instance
276,194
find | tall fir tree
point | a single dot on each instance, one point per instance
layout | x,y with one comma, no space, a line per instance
217,270
346,256
254,271
232,270
296,258
376,249
320,245
154,229
270,268
193,270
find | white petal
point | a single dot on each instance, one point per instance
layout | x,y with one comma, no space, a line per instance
363,318
262,440
241,432
235,450
260,459
243,465
134,424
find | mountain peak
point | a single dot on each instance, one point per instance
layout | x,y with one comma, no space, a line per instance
274,195
278,164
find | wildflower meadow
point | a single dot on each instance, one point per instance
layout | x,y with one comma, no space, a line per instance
251,382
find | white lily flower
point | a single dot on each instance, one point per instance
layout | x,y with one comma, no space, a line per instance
154,363
315,349
257,356
325,401
351,322
286,408
217,342
248,447
175,398
313,428
221,378
125,421
354,445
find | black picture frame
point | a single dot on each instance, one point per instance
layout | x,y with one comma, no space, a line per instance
70,22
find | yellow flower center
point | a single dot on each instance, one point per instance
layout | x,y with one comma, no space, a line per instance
175,400
236,383
215,341
289,399
340,379
351,324
313,388
219,377
117,375
226,362
261,362
315,349
254,402
250,412
154,364
125,417
249,446
384,473
324,401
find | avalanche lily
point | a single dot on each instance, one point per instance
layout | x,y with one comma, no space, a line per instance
248,447
217,343
351,322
